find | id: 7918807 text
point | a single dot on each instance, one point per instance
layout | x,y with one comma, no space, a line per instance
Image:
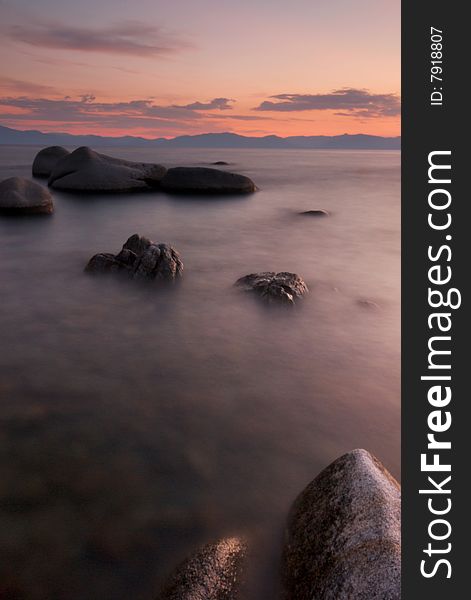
436,66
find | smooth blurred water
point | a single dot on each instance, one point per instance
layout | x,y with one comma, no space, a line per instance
135,423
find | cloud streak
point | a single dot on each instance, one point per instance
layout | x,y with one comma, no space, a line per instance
131,38
88,107
216,103
25,87
349,102
86,112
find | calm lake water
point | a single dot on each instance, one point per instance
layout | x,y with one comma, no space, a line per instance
137,424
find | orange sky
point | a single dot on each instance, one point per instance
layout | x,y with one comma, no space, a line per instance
160,69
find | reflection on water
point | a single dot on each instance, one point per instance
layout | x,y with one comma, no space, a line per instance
138,423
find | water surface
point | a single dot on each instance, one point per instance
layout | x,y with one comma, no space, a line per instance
135,423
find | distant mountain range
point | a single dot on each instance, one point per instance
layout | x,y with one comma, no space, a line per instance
207,140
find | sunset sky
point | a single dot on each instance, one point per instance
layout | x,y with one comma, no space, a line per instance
161,68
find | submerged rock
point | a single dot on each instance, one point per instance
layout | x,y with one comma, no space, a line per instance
203,180
23,196
365,303
220,163
317,212
213,573
88,171
46,159
139,259
343,539
278,287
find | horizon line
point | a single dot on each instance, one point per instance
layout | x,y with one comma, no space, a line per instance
151,139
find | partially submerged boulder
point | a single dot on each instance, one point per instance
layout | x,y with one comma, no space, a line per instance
23,196
88,171
365,303
203,180
282,287
316,212
213,573
140,259
343,538
46,159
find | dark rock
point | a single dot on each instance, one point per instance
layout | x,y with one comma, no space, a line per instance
159,262
220,163
202,180
46,159
87,171
278,287
105,263
139,259
137,243
318,212
22,196
126,257
213,573
148,262
343,539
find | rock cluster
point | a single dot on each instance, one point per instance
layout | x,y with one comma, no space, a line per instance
140,258
22,196
282,287
88,171
85,170
342,542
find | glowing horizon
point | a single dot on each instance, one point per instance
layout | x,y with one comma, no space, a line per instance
310,68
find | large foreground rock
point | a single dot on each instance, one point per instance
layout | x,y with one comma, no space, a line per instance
214,573
343,536
282,287
88,171
203,180
46,159
139,259
22,196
